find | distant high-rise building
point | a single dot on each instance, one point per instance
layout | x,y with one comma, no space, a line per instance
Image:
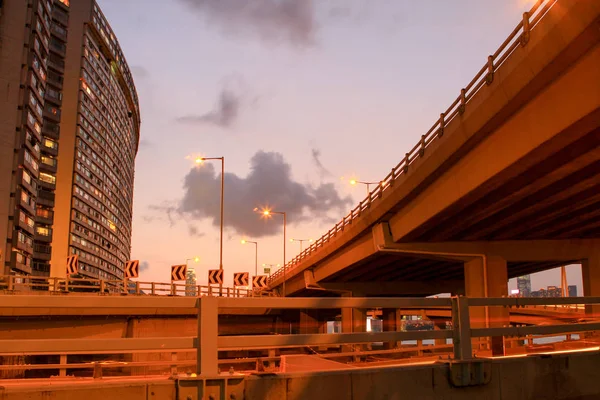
524,285
69,133
190,280
572,290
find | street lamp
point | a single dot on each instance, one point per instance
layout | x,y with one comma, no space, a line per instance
270,266
353,182
244,241
268,213
199,161
301,241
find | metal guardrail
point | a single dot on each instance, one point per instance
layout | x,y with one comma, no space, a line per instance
207,343
27,283
519,36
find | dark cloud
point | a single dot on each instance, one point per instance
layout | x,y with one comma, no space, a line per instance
225,113
193,231
269,184
144,266
316,157
292,21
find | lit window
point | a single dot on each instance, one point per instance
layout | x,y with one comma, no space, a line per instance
47,178
41,230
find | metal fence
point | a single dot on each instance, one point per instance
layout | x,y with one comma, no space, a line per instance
207,343
519,36
27,283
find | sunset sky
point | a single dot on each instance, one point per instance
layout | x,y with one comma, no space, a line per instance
295,94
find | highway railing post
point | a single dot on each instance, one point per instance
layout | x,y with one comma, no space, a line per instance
461,325
207,353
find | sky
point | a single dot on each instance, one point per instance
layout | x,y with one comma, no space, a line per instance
298,96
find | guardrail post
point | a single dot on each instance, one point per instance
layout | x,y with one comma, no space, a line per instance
422,149
463,101
406,161
442,125
11,282
152,288
207,353
461,324
137,287
101,286
526,29
63,361
173,289
489,78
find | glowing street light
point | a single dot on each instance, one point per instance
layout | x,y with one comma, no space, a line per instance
199,161
354,182
268,213
244,241
301,241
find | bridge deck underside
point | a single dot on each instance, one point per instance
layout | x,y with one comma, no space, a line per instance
388,268
557,197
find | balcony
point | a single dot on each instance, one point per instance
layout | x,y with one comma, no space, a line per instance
60,17
21,264
25,247
45,198
51,130
30,207
55,79
59,32
52,151
58,47
52,113
42,252
45,217
53,97
39,237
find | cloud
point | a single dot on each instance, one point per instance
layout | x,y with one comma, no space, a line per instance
139,72
225,113
316,157
144,266
269,184
292,21
193,231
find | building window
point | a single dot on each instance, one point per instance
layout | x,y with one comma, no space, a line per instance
42,230
48,178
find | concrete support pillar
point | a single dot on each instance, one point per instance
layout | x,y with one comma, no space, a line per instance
353,320
391,323
590,273
488,278
309,321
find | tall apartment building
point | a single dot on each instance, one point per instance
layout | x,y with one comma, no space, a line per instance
69,133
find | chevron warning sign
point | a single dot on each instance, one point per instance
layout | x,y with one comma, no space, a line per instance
241,279
72,264
132,269
259,281
178,272
215,276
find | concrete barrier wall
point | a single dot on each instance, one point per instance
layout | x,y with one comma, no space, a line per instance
573,376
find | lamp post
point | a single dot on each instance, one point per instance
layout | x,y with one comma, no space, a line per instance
268,213
244,241
354,182
301,241
200,160
270,266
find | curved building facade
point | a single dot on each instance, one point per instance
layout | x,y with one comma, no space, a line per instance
69,134
100,128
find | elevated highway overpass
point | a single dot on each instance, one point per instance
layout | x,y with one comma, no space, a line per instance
506,183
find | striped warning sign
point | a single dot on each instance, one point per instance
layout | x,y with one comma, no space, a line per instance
72,264
178,272
132,269
215,277
259,281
